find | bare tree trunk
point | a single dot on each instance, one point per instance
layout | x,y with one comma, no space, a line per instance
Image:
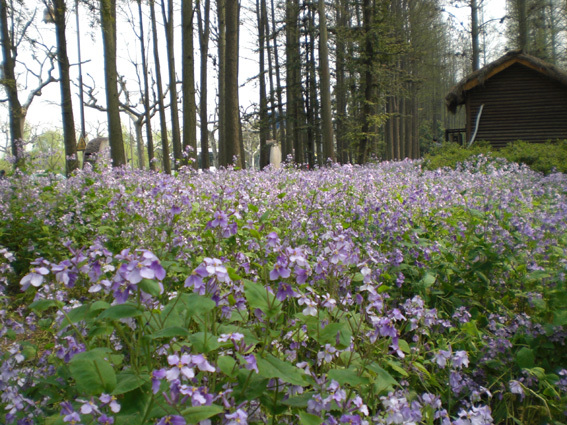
204,25
232,112
146,95
175,132
522,25
188,85
281,118
69,138
17,115
108,23
163,128
341,89
292,80
325,81
264,149
221,14
475,35
367,109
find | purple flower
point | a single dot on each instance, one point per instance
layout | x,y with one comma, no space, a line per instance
195,280
105,420
240,417
250,360
111,401
157,376
220,219
172,420
285,291
34,277
215,268
180,367
65,273
280,270
202,364
441,358
460,359
516,388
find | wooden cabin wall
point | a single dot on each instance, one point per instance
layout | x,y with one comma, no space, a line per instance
519,104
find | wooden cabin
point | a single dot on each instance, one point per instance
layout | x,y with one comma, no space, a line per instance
517,97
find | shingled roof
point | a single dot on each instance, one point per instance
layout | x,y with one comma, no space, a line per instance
457,95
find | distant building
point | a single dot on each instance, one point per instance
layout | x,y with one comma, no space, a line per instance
94,148
517,97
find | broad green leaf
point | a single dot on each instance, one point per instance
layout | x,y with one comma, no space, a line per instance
204,342
397,367
299,401
309,419
348,376
95,353
525,358
151,287
227,365
258,297
93,376
232,274
384,381
196,414
128,381
42,305
120,311
272,367
196,304
173,331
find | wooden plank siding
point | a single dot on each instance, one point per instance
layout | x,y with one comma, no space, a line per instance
520,103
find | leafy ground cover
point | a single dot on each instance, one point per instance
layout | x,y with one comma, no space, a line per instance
383,294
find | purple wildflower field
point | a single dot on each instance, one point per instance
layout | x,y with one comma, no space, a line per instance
378,294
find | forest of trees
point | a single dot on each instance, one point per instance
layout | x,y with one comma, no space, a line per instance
348,81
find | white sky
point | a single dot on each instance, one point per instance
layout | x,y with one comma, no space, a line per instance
45,114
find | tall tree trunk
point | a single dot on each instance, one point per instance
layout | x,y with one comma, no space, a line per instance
146,95
69,138
175,132
232,112
188,85
221,16
341,88
17,114
108,23
204,25
264,149
475,35
325,81
163,127
367,109
522,25
293,95
281,118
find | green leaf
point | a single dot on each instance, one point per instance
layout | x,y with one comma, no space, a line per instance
299,401
272,367
93,376
42,305
525,358
254,233
196,414
252,207
151,287
309,419
196,304
397,367
120,311
348,376
227,366
232,274
258,297
384,381
173,331
128,381
204,342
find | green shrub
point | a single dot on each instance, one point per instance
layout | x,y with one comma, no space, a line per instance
546,157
